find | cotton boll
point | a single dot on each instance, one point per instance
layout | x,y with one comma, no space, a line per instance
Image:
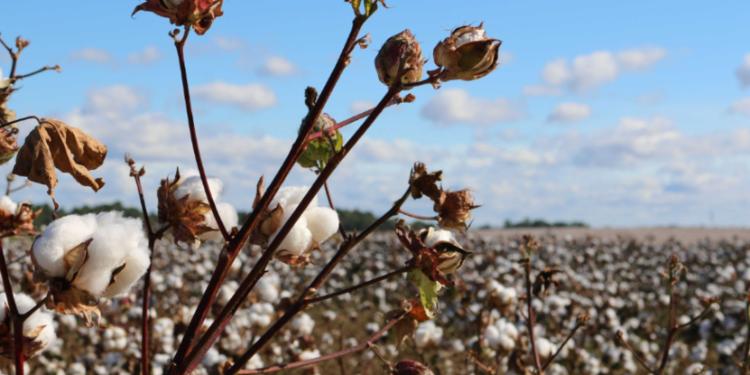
427,333
7,204
39,318
435,236
299,238
117,241
544,347
291,196
228,216
303,324
323,222
255,363
268,287
308,354
192,186
61,236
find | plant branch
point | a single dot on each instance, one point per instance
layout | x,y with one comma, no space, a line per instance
15,316
180,46
572,333
348,121
311,362
531,317
746,347
229,254
38,120
416,216
312,300
40,70
641,361
212,334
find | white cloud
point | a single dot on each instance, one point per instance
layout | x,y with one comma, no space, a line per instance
229,44
456,106
640,58
248,97
359,106
115,99
741,107
278,66
148,55
743,72
569,112
587,72
94,55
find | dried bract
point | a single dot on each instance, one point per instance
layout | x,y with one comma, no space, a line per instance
453,207
467,54
199,14
411,367
54,144
400,57
15,218
8,142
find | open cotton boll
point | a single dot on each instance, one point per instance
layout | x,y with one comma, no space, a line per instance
7,204
61,236
228,216
32,324
291,196
303,324
544,347
428,333
193,186
117,241
299,238
438,235
322,222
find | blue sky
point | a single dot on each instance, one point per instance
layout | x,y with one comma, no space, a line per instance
615,113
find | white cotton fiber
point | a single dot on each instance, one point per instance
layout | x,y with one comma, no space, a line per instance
38,319
438,235
291,196
117,241
228,216
7,204
299,237
544,347
303,324
428,333
61,236
323,222
193,186
501,334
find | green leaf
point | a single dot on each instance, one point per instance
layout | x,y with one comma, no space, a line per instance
428,291
355,6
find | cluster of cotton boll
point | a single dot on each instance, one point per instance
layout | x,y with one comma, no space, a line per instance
38,328
314,227
616,281
190,185
112,252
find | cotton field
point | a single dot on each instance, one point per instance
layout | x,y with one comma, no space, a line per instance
480,327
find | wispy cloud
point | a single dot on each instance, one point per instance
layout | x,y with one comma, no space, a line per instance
743,72
456,106
569,112
93,55
277,66
248,97
148,55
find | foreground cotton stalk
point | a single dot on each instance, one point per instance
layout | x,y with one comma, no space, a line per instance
38,329
315,226
86,257
183,206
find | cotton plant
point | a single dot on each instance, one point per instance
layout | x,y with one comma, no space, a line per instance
184,208
316,225
84,258
38,328
15,218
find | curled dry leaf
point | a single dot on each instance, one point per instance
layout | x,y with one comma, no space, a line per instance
453,207
54,144
8,142
200,14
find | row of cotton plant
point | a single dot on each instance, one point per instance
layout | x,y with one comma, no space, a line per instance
86,266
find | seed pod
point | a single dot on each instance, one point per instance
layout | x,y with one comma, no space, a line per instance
467,54
402,54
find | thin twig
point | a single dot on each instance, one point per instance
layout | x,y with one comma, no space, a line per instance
346,122
638,358
38,120
311,362
15,316
312,300
416,216
180,46
40,70
531,317
228,255
572,333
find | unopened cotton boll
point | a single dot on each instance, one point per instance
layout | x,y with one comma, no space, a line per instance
38,328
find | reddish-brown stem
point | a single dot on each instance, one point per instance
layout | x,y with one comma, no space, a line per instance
40,70
311,362
416,216
346,122
212,334
531,317
228,255
572,333
15,316
13,58
312,300
180,46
